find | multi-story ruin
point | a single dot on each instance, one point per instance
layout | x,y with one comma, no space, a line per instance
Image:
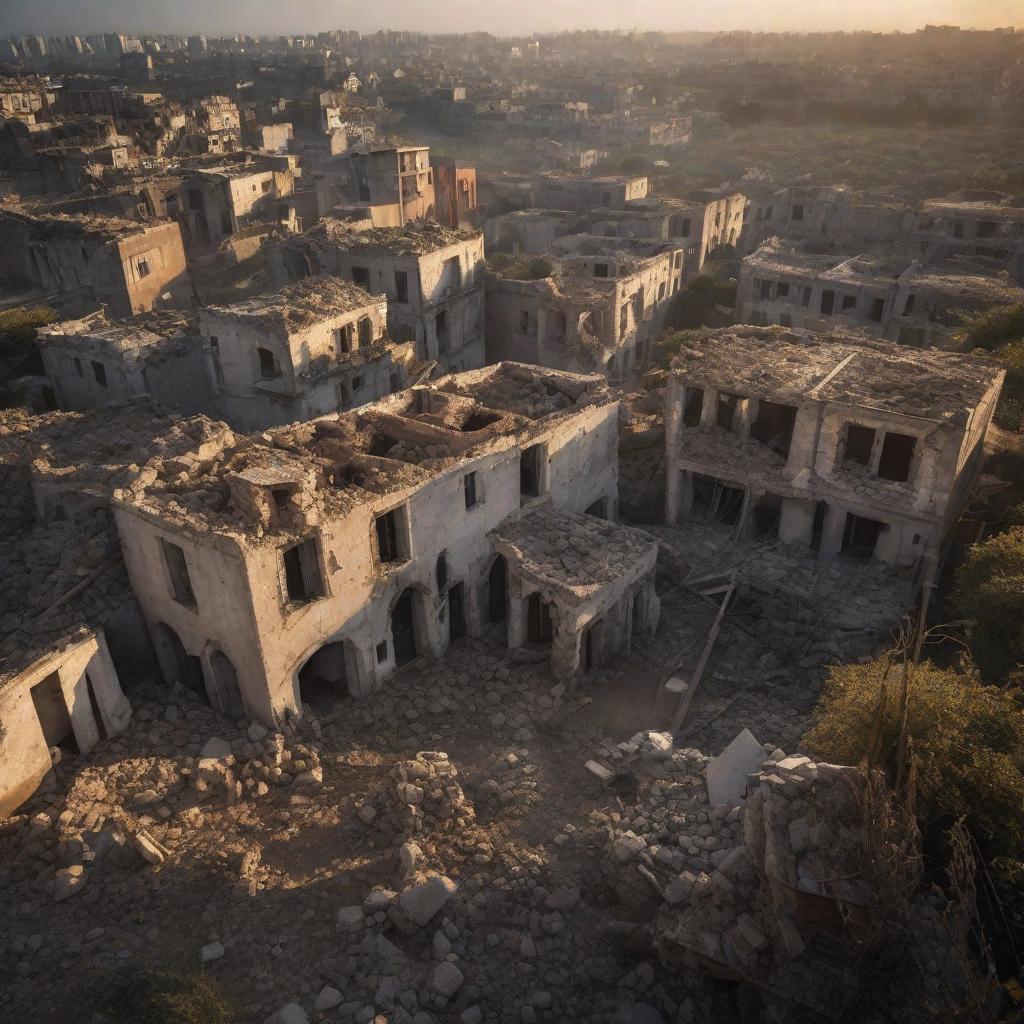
921,304
583,312
433,278
97,359
313,558
830,441
391,186
77,262
315,347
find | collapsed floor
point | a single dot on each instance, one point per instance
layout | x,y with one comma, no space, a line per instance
269,848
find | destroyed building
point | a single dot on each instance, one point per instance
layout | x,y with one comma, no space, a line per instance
433,278
454,192
849,446
97,359
391,186
588,312
311,560
77,262
218,201
69,623
315,347
920,304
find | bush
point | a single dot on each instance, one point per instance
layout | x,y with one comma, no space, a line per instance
989,591
1009,412
968,740
997,326
18,326
161,997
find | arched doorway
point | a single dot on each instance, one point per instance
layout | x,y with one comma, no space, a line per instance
497,591
324,679
227,692
540,625
403,627
176,664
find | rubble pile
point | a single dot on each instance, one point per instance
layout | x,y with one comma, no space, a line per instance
423,795
506,788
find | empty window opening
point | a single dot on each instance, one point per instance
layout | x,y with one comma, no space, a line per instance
393,383
469,489
540,626
281,496
598,509
361,276
859,443
726,414
177,569
849,302
798,212
78,367
403,628
303,576
344,339
805,299
441,571
693,407
390,536
456,613
877,310
530,471
451,274
218,369
782,289
818,525
99,371
401,286
766,515
908,306
773,426
269,366
382,652
357,383
365,331
600,270
860,535
52,712
590,646
828,301
323,680
897,456
557,323
987,229
441,330
143,268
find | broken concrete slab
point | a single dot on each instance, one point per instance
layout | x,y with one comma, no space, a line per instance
726,775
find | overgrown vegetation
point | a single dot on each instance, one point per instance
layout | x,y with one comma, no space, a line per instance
519,268
968,741
989,592
161,997
706,303
999,331
18,327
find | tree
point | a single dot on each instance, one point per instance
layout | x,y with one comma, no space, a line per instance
968,741
995,327
989,591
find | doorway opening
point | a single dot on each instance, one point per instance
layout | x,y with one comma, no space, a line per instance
456,612
182,667
54,717
225,683
497,591
403,628
540,626
860,537
323,680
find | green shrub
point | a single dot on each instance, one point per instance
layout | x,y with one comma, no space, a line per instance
968,740
18,326
161,997
1009,412
989,591
997,326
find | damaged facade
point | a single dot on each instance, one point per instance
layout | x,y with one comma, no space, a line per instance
432,276
321,557
918,304
593,312
315,347
849,446
81,261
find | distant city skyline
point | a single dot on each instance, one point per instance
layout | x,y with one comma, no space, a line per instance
502,17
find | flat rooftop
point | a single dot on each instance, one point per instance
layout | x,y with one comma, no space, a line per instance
134,333
787,364
407,241
300,305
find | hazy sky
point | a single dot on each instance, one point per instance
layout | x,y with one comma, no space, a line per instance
273,17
